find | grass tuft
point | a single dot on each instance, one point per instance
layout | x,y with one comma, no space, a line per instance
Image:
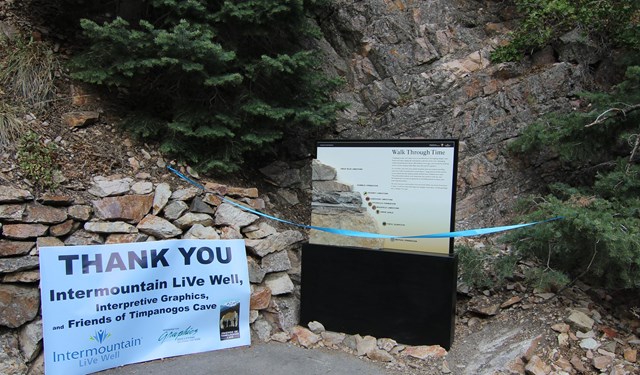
10,125
27,72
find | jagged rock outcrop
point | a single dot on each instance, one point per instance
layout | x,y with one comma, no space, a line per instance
421,69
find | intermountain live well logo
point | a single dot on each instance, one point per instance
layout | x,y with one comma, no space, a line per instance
106,350
100,336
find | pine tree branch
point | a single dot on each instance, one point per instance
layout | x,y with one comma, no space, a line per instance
611,113
633,152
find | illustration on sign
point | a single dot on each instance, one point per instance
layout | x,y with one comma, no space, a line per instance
399,188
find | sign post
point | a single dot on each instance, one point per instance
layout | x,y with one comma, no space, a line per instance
110,305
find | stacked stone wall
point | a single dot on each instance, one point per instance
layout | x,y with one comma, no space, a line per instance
123,210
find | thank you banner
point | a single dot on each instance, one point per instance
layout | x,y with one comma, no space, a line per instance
109,305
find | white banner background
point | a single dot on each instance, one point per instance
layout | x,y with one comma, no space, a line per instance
193,296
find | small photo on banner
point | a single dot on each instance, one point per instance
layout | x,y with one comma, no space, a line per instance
229,320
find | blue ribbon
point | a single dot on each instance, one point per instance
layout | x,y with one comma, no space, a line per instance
353,233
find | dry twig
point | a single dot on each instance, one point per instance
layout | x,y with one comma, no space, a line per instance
613,112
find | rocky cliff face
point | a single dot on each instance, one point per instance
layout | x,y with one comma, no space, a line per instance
421,69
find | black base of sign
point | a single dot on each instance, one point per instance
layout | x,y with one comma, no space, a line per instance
408,297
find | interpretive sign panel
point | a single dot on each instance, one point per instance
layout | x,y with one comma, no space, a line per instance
109,305
398,188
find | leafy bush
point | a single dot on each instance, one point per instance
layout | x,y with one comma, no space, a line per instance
481,268
505,266
612,22
473,267
546,280
213,81
599,198
38,160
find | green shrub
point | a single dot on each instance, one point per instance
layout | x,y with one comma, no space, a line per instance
611,22
598,191
546,280
473,267
481,269
213,82
505,266
484,268
38,160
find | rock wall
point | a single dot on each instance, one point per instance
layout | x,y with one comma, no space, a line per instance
123,210
421,69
